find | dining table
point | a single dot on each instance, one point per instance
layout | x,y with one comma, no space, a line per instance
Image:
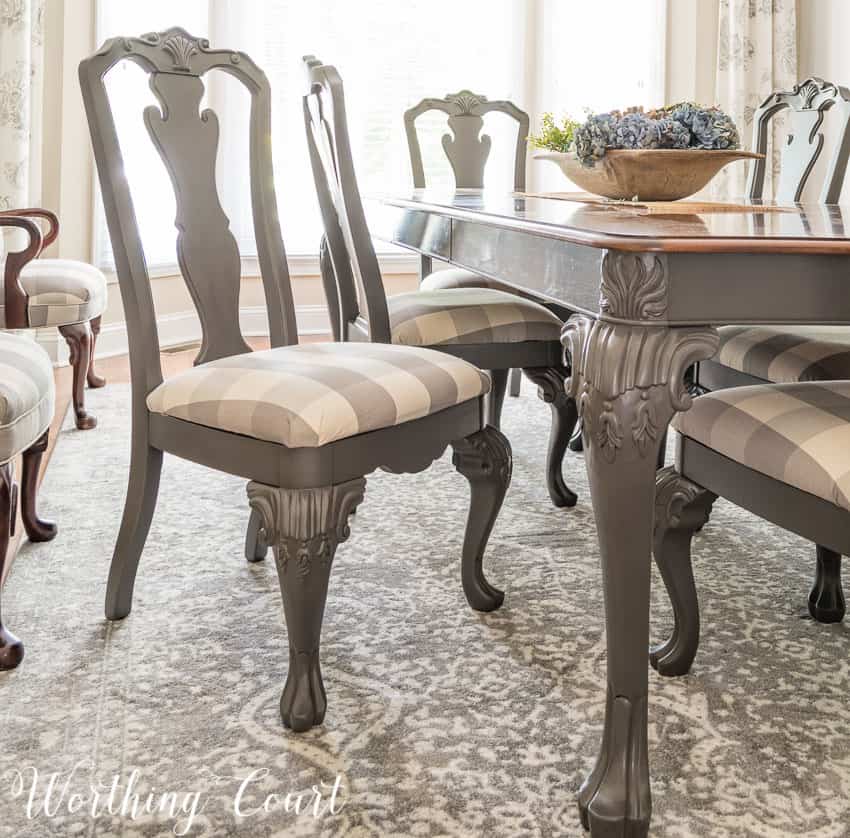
644,289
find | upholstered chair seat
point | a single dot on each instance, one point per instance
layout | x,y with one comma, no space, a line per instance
785,354
461,278
798,434
314,394
62,291
468,316
26,394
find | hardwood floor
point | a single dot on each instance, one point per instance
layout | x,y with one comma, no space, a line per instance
116,370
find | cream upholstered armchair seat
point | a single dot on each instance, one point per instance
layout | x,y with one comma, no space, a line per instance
64,293
311,395
468,315
26,410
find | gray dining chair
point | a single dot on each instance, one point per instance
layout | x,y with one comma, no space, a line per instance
468,152
305,424
494,330
776,450
780,354
27,397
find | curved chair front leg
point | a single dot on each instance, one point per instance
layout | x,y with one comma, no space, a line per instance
255,539
550,383
681,509
484,459
515,386
79,339
826,600
496,397
11,648
37,529
304,527
94,380
142,490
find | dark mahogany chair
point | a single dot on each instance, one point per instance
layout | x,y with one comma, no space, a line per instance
39,292
26,410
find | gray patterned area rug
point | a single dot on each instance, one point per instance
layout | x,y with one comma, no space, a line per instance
441,721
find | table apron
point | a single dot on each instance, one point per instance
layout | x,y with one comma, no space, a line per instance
702,288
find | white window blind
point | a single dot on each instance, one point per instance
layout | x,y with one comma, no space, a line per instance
540,54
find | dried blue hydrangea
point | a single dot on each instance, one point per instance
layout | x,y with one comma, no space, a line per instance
684,125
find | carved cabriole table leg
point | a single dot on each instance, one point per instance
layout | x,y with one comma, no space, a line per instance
628,381
304,527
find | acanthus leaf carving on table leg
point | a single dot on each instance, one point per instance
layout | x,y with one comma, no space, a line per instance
627,379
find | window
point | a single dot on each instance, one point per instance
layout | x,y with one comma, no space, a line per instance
390,55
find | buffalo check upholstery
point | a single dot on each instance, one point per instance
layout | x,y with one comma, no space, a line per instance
460,278
785,354
61,292
310,395
468,316
797,433
26,394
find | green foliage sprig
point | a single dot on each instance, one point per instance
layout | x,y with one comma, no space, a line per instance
554,136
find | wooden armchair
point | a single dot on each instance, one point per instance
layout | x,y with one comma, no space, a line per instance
305,424
26,410
68,294
784,354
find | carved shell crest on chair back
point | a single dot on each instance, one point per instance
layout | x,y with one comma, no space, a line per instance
187,138
362,299
466,148
806,106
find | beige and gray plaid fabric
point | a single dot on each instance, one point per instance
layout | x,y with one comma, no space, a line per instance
468,315
26,394
461,278
798,434
307,396
61,292
785,354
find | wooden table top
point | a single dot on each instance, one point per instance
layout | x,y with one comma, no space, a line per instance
804,229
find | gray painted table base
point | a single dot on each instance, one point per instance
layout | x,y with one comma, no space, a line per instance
649,291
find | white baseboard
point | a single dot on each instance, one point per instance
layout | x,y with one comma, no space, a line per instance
182,328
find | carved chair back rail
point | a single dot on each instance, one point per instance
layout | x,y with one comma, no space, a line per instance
466,148
306,462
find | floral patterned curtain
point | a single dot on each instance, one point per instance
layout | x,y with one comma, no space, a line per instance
21,74
756,55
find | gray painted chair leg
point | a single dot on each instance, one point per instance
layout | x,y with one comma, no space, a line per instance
681,509
515,386
484,459
496,398
255,541
576,442
826,600
550,388
145,470
304,527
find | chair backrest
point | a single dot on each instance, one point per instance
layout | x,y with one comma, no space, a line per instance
466,147
361,296
806,106
187,141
